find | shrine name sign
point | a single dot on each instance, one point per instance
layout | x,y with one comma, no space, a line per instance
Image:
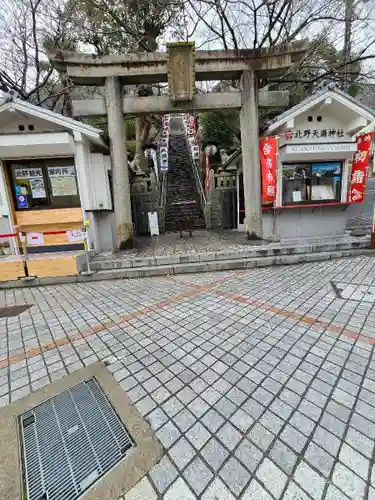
321,148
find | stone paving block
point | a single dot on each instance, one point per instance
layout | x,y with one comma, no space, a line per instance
163,474
319,458
348,482
339,411
310,480
332,424
179,490
249,455
256,491
168,434
253,408
213,420
272,477
217,491
184,420
335,494
198,435
281,409
186,395
145,405
295,439
20,393
182,453
365,410
229,435
283,456
157,418
225,407
310,410
197,475
363,425
235,476
236,396
172,406
241,420
261,436
214,454
198,407
326,440
359,442
354,461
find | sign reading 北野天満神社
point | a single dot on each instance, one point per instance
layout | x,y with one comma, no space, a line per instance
315,133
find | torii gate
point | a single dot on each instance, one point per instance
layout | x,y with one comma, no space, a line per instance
180,66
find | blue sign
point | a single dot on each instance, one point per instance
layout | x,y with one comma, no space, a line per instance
21,201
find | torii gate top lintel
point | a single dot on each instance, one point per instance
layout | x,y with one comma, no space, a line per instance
154,67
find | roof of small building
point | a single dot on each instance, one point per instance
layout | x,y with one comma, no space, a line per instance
93,134
306,104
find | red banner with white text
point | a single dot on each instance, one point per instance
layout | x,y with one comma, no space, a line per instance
359,169
268,160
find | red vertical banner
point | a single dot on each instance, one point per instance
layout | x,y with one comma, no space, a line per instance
268,160
359,169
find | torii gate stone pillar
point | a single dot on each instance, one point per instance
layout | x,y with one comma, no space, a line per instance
121,186
250,156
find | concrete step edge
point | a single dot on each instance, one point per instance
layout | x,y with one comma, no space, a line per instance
226,255
190,268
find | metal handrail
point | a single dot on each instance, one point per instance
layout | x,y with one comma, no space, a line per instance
163,191
196,175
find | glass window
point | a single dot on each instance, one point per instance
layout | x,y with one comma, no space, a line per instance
62,183
311,182
45,184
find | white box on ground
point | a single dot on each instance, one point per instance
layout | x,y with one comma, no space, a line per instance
153,223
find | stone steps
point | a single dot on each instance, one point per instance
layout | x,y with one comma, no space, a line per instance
182,197
236,256
198,266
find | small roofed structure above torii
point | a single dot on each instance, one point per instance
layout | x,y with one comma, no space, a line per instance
181,66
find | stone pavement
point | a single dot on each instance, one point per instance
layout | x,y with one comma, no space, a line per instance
260,384
203,241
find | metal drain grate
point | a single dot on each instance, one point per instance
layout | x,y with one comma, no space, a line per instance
9,311
70,441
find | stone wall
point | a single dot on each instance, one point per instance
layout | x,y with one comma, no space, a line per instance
145,198
220,184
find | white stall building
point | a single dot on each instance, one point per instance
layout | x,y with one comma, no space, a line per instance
54,175
316,147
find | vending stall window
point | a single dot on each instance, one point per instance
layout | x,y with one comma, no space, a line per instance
44,184
310,183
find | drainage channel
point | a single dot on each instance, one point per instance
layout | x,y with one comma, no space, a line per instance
70,442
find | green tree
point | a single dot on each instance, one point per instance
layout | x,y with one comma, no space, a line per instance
215,130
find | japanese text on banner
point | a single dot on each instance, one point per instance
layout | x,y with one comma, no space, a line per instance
359,169
268,160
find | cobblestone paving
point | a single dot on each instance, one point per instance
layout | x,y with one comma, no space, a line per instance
260,384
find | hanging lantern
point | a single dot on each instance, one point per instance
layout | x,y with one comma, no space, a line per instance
210,150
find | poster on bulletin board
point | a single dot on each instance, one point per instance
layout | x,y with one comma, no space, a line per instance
21,201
